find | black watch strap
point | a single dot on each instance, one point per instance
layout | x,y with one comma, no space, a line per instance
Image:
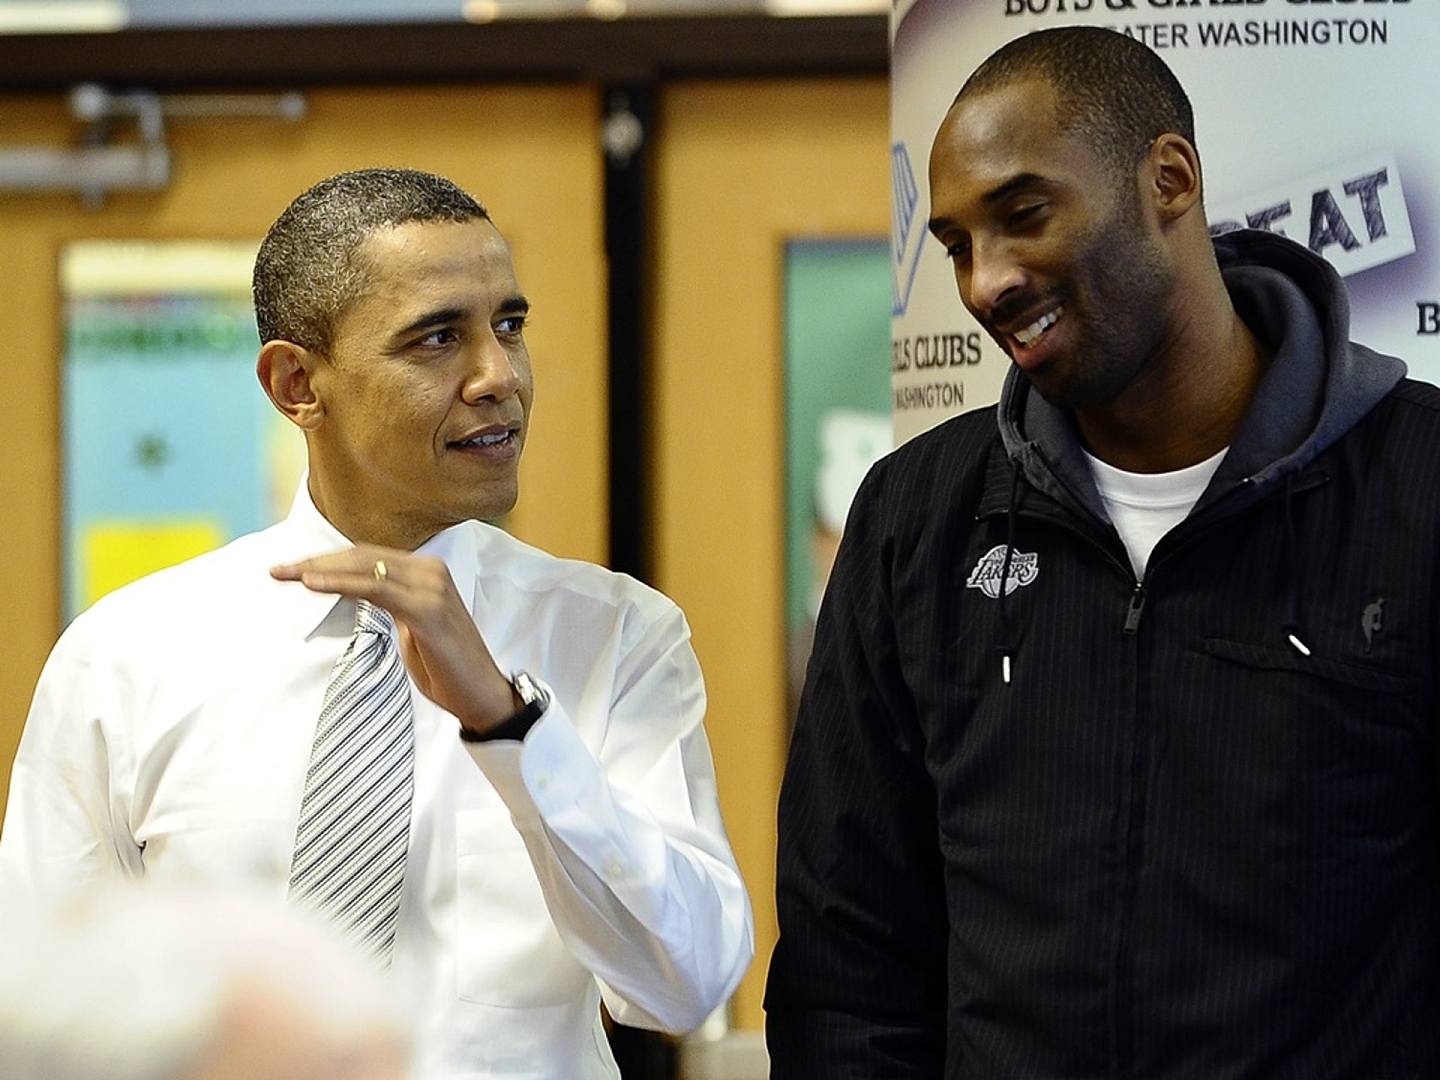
517,725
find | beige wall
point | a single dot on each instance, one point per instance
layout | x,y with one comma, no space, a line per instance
743,167
527,153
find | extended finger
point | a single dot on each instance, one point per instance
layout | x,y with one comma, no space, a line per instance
353,583
363,559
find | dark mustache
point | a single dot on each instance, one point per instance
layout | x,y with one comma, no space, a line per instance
1011,308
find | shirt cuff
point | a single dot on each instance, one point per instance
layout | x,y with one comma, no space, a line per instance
542,775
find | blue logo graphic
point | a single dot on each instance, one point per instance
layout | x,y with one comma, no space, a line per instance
907,232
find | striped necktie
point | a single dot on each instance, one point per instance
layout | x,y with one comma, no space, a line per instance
354,828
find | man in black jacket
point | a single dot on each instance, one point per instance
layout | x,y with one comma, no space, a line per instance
1116,754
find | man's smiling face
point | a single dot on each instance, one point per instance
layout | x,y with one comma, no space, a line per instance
427,388
1051,246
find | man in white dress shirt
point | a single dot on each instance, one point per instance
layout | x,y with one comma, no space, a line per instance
565,841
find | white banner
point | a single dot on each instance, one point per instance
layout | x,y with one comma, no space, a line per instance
1313,118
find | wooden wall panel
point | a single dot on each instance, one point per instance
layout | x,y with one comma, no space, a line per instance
742,168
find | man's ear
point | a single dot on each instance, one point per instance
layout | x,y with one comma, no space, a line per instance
1173,177
285,371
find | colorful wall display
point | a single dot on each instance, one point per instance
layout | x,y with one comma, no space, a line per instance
836,412
170,447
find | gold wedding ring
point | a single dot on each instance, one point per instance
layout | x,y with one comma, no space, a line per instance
380,572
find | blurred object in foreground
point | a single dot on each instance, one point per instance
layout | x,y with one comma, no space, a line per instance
141,983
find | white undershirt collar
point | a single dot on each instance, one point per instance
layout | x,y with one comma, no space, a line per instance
1143,507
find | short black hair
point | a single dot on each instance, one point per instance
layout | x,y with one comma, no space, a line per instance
308,269
1112,89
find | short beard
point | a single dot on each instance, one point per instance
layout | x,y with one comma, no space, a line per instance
1129,275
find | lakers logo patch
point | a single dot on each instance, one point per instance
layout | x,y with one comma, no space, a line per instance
1024,568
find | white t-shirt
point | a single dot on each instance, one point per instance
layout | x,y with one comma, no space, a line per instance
1145,506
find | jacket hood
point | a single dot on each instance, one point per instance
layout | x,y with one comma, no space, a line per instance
1317,387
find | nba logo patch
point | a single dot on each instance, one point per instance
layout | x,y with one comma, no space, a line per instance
1024,568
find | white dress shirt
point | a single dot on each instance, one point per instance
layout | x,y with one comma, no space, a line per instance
171,730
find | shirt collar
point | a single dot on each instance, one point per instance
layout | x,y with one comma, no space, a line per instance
308,533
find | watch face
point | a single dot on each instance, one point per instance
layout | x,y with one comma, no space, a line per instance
527,689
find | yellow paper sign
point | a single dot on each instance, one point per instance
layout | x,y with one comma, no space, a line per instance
115,553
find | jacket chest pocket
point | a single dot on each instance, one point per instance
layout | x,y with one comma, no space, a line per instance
1339,674
510,952
1348,750
1355,729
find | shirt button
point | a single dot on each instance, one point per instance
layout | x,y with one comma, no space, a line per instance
542,781
615,871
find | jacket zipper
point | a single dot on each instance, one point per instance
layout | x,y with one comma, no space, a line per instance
1122,1036
1136,608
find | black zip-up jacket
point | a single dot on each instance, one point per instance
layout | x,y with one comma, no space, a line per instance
1194,835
